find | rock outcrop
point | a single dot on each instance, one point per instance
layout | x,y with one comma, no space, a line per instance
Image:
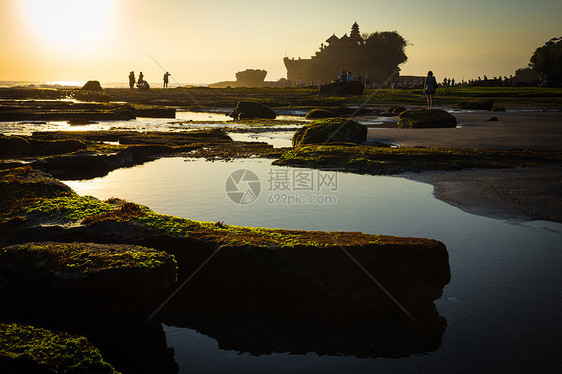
92,86
27,349
319,113
426,119
252,109
100,281
332,130
18,146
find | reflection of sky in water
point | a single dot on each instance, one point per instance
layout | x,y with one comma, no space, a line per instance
503,304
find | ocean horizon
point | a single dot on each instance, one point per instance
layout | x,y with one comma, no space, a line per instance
79,84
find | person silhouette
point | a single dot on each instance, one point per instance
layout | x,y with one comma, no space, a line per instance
166,79
132,80
141,79
342,77
429,88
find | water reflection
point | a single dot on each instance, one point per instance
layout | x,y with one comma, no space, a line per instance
262,331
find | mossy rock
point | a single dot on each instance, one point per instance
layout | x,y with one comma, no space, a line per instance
252,109
319,113
74,279
396,109
92,86
476,105
255,265
426,119
332,130
27,349
25,146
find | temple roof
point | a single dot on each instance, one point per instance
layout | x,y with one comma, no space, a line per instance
332,39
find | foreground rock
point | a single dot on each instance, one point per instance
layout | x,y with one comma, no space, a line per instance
27,349
18,146
254,266
342,88
476,105
252,109
100,281
426,119
334,130
86,154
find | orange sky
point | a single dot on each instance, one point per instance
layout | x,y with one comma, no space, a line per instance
209,41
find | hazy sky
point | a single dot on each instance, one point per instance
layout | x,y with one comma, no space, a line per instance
209,41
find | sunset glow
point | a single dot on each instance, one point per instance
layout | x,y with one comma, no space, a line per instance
205,42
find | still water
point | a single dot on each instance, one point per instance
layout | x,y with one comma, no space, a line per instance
502,306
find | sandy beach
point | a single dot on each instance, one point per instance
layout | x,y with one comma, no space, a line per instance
514,193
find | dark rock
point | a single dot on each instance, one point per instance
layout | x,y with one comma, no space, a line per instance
494,119
251,78
32,350
256,269
92,86
155,112
342,88
476,104
426,118
252,109
19,146
334,130
319,113
396,109
103,281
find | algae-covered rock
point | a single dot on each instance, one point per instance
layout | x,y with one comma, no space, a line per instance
92,86
27,349
254,265
426,119
252,109
319,113
476,104
396,109
115,280
333,130
23,146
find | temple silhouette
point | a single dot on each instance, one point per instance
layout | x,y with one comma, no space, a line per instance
377,54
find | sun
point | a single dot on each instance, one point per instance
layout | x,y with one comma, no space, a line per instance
67,23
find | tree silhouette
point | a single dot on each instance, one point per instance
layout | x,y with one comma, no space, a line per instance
548,60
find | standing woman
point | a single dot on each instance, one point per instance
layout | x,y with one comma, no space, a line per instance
429,87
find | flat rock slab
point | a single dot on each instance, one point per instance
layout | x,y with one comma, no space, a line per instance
85,278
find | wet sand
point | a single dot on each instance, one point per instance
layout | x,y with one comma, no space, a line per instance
514,193
533,130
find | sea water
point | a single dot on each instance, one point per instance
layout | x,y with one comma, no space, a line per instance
502,306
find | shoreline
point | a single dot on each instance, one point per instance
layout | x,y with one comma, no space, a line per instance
515,193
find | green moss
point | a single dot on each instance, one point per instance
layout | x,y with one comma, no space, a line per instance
213,232
66,208
23,347
383,160
332,130
79,260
